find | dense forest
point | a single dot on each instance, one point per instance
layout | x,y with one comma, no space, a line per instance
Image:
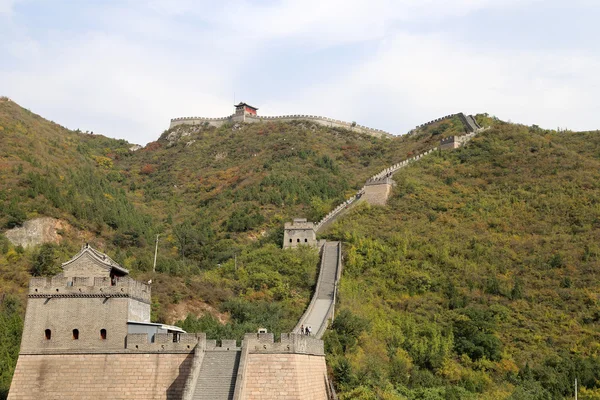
476,281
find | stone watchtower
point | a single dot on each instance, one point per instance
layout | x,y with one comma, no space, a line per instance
86,307
299,232
243,110
450,143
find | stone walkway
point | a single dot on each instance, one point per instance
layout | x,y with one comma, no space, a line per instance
320,309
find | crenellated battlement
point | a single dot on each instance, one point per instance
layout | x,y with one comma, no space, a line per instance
288,343
60,286
165,342
324,121
437,120
449,139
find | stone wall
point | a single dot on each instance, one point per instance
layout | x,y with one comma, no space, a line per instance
292,368
324,121
87,304
299,232
165,342
285,376
377,193
100,376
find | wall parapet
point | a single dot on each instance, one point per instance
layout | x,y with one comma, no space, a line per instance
325,121
264,343
59,286
165,342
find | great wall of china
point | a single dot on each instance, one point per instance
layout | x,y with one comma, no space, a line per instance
330,122
94,294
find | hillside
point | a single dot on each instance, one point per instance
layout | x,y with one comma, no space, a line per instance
479,280
217,198
476,281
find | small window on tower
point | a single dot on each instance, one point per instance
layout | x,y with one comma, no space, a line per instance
305,240
48,334
75,334
290,240
103,334
298,240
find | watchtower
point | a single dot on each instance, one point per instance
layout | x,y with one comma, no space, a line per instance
449,143
299,232
243,109
87,307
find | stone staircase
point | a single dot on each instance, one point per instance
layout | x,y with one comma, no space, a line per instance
217,376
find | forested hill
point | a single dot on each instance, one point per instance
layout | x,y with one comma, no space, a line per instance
218,198
478,280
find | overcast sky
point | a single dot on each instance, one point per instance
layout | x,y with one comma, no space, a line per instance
125,68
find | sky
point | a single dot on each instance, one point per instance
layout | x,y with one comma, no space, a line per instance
124,68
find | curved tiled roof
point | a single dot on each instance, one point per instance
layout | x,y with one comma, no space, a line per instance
102,258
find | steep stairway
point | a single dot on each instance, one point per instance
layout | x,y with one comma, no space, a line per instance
320,309
216,380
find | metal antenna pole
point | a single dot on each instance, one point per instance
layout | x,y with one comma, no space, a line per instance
155,253
575,388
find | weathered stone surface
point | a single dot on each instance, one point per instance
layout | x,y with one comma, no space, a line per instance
377,194
36,231
285,376
100,376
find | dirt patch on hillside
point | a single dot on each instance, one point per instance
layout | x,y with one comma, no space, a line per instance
37,231
179,311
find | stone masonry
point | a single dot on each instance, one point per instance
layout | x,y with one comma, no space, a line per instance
253,118
299,232
377,192
100,376
76,344
285,376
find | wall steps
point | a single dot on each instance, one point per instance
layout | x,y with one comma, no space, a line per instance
217,376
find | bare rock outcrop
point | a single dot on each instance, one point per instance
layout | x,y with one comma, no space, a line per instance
36,231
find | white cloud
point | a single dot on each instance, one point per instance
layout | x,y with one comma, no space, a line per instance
140,66
6,6
415,78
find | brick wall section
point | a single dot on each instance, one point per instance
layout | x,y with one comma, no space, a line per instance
100,376
285,376
62,315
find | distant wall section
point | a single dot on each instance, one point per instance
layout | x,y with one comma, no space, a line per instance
323,121
377,192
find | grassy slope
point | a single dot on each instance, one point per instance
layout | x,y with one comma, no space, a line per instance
498,240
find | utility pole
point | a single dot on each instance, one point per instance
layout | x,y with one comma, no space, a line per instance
575,388
155,253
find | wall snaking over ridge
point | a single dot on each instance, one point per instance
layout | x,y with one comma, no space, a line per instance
324,121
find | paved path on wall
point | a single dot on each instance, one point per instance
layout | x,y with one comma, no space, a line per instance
217,375
329,223
319,311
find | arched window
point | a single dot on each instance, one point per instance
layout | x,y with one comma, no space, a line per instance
103,334
298,240
48,334
290,240
305,240
75,334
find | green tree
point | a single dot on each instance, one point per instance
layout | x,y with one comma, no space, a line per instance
44,261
